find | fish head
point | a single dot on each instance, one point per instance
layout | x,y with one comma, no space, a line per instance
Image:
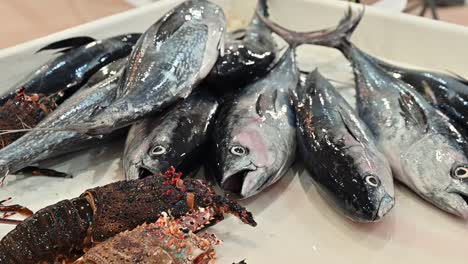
148,155
438,169
364,193
245,161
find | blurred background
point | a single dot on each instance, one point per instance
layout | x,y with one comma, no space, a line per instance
23,20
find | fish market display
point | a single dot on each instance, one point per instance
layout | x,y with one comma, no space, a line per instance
246,57
176,138
38,144
168,62
339,151
195,96
61,231
168,240
68,72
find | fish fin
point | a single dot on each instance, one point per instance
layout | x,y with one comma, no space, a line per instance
38,171
262,8
266,102
67,44
412,111
428,93
330,37
350,127
169,25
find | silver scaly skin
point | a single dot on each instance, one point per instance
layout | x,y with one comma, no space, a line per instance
340,152
38,145
177,138
255,134
167,63
426,152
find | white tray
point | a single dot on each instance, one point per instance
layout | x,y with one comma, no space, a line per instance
295,224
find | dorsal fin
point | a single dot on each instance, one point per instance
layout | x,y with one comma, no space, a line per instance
412,112
68,44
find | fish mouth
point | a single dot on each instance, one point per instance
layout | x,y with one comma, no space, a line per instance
386,204
463,196
144,172
235,182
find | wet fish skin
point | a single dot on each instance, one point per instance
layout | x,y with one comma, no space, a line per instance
447,93
70,71
426,152
107,71
177,138
39,145
245,58
167,63
340,153
254,135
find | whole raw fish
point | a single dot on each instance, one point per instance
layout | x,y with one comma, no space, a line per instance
425,150
339,151
167,63
255,134
177,138
70,71
38,144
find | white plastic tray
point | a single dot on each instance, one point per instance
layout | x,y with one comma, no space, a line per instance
295,224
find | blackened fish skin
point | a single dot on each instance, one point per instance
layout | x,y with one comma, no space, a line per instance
246,58
340,153
167,63
177,138
70,71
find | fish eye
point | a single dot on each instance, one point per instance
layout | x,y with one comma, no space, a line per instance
158,150
460,172
239,151
372,180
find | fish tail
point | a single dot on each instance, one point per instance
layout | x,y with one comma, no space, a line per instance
262,8
336,37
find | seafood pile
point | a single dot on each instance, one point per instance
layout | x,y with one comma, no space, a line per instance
187,94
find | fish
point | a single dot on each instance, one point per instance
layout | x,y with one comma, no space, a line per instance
69,71
254,136
107,71
167,63
177,138
447,93
426,152
248,55
340,152
44,142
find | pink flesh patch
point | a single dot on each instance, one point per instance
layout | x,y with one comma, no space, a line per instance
253,140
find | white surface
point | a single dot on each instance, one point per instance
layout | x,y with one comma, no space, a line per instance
295,224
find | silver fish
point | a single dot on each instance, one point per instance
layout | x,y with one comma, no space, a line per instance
107,71
177,138
44,142
425,150
167,63
255,132
339,151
